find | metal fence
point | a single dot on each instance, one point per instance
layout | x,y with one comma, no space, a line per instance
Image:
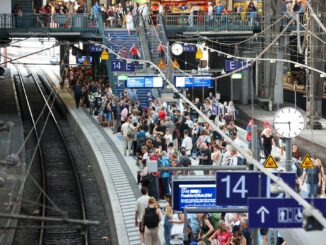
204,22
49,22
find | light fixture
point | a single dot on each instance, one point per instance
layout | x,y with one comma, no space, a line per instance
229,56
323,75
223,72
272,61
297,65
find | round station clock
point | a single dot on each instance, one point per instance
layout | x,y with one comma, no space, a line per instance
289,122
177,49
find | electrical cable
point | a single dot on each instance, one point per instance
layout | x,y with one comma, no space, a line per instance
307,206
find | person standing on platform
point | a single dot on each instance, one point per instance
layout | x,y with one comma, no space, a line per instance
151,218
245,230
205,157
77,93
314,179
128,134
141,204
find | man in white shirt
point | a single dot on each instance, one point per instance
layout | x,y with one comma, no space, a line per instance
128,133
141,204
187,143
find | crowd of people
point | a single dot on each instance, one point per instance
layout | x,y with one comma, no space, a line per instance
173,134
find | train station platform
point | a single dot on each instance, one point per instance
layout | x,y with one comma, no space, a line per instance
12,169
310,141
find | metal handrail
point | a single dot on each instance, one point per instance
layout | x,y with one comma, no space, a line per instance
49,22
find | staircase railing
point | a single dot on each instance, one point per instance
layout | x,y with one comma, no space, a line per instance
143,39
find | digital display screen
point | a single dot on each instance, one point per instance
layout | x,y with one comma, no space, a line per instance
193,194
135,82
144,82
196,81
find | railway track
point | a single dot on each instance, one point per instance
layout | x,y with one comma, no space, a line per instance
54,188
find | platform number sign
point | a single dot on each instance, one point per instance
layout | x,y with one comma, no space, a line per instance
121,65
234,188
238,188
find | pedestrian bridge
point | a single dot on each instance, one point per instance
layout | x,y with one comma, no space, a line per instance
52,25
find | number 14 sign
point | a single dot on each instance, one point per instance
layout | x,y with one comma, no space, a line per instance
233,188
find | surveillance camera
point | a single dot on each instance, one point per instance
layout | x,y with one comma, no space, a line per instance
311,224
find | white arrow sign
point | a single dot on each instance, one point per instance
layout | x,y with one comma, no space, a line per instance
262,211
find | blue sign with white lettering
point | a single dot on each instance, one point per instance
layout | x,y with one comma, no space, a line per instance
193,193
279,212
236,187
95,48
232,65
122,65
195,81
144,82
189,48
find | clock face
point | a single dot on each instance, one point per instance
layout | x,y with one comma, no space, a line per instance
177,49
289,122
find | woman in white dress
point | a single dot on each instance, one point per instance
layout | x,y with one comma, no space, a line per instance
129,22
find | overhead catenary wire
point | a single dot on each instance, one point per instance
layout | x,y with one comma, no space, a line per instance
313,211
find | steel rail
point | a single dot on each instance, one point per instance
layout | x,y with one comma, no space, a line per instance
81,195
42,163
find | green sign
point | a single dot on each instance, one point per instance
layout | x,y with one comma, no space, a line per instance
236,76
122,77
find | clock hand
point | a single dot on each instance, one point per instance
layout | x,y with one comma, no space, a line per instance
289,126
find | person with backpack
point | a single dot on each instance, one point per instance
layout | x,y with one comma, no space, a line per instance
141,204
150,220
205,227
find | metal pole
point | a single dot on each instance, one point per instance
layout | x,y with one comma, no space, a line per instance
295,96
288,156
254,145
231,89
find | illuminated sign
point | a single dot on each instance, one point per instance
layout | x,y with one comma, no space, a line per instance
195,81
144,82
197,191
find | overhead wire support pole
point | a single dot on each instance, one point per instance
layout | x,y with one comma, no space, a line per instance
313,14
307,206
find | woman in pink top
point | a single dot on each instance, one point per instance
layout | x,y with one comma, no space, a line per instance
222,235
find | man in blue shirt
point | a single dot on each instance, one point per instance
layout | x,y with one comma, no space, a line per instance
96,9
219,9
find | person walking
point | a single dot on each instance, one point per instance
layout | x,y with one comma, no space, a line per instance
130,22
141,204
77,93
150,219
134,52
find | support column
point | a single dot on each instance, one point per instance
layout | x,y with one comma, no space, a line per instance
278,87
64,59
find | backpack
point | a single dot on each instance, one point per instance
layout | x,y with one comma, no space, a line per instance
214,218
151,218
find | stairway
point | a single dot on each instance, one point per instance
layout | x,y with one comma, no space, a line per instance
153,42
117,39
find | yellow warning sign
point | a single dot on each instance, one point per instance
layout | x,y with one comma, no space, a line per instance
86,62
161,64
175,64
307,162
270,162
104,55
199,54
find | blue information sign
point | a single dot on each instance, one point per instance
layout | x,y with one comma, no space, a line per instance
122,65
279,212
236,187
193,192
195,81
189,48
144,82
232,65
95,48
